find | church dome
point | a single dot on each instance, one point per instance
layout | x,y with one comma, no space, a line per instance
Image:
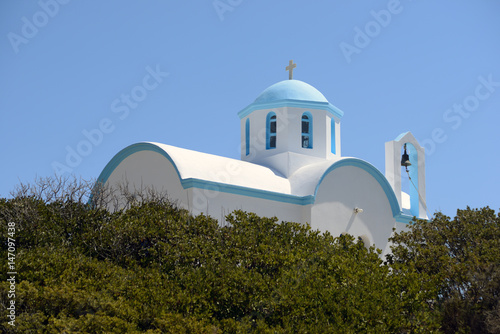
290,90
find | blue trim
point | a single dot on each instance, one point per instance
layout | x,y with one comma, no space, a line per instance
247,136
404,218
398,138
333,145
197,183
310,132
370,169
243,191
292,103
256,193
268,130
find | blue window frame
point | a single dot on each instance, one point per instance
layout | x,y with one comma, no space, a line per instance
247,136
271,130
307,130
333,142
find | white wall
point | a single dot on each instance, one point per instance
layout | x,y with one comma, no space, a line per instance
219,204
344,189
145,169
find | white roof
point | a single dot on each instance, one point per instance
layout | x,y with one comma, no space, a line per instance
213,168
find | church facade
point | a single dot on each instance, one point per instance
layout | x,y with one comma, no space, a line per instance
291,167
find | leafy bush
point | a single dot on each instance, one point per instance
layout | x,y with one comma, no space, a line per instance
460,259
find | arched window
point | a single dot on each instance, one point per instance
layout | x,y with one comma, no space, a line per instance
247,136
307,131
333,142
271,130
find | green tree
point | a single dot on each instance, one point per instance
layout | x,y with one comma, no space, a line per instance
460,259
154,268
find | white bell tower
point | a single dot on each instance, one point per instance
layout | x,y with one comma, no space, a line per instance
415,172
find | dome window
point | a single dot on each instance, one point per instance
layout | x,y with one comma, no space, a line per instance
247,136
307,130
271,130
333,145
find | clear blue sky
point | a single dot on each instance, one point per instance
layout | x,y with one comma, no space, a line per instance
430,67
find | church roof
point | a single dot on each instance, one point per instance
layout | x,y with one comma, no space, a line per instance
208,171
213,168
290,90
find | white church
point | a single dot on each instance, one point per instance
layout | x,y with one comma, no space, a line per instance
291,167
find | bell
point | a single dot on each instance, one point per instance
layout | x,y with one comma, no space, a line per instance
405,159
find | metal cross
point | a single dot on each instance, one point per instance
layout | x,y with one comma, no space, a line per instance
290,68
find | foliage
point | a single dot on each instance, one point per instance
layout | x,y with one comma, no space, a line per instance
460,259
148,266
152,267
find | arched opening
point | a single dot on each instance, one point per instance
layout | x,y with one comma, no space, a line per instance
271,130
247,136
409,181
307,131
333,147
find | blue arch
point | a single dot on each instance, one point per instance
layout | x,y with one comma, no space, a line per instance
309,134
374,172
333,141
271,143
247,136
128,151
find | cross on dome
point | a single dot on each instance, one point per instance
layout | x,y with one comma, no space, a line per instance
290,68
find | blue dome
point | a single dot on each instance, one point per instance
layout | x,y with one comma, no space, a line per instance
290,90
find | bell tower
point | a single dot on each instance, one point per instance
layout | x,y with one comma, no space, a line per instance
412,163
290,125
